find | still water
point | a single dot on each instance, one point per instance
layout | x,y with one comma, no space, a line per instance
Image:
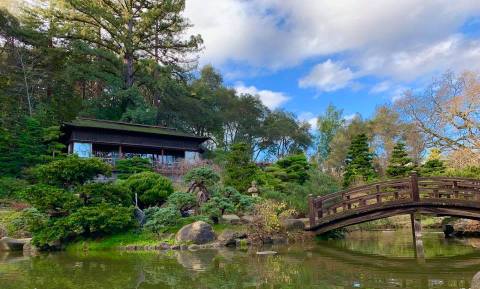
362,260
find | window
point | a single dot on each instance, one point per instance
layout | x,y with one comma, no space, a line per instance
83,150
192,157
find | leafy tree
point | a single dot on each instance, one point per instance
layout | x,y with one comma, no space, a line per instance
112,193
290,169
240,171
359,161
151,188
434,166
50,200
71,171
328,124
130,166
182,201
226,200
202,175
400,164
161,219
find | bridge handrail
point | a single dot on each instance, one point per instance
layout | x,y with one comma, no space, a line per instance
413,188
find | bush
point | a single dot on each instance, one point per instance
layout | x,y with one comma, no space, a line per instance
11,187
96,193
93,221
202,175
468,172
71,171
182,201
50,200
127,167
226,200
267,219
21,224
151,188
160,220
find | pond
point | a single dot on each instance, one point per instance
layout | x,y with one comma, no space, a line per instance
362,260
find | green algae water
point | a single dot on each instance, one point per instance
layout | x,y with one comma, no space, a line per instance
362,260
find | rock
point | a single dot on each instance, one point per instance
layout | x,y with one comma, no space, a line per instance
279,240
448,230
230,219
266,253
293,224
11,244
247,219
476,281
162,246
228,237
183,247
175,247
30,250
194,247
196,233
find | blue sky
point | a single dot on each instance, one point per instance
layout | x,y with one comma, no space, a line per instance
302,55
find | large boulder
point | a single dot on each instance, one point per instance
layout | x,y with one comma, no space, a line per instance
293,224
229,238
196,233
230,219
11,244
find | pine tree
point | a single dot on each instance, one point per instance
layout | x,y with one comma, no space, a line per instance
359,161
434,166
240,171
400,163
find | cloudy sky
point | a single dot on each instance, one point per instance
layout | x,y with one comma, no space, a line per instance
302,55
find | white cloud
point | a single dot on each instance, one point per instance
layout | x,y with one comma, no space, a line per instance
350,117
327,76
276,34
269,98
381,87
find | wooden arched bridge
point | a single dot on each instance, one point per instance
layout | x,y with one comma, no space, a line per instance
441,196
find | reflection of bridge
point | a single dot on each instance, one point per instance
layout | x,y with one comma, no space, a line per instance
439,196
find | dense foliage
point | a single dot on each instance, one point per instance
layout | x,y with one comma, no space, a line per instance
359,161
129,166
400,163
240,171
152,189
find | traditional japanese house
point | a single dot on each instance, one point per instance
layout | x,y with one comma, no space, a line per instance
113,140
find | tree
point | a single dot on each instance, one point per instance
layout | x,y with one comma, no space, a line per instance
240,171
328,125
359,161
447,112
152,189
400,164
288,170
434,166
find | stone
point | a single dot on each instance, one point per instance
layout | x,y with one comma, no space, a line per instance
162,246
228,237
230,219
197,233
194,247
30,250
175,247
279,240
11,244
266,253
293,225
475,281
247,219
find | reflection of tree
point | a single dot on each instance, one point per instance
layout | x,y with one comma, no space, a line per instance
295,267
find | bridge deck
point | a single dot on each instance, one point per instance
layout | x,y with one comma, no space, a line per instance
434,195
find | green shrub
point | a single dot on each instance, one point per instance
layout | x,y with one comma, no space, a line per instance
160,220
49,199
433,167
468,172
95,193
151,188
11,187
130,166
202,175
71,171
182,201
226,200
21,224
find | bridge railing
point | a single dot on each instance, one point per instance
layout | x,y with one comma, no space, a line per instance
410,189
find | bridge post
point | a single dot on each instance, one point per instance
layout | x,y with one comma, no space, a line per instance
414,186
311,210
417,236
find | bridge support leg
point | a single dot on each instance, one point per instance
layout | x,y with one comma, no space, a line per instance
417,236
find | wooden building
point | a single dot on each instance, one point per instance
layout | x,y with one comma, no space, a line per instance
113,140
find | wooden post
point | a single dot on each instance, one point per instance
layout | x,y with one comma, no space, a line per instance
414,187
379,198
417,236
455,189
120,152
311,210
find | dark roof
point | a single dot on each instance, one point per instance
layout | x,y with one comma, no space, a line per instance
132,127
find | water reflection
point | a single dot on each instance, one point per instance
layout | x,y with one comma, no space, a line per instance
311,265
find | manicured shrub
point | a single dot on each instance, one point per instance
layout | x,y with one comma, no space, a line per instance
288,170
130,166
202,175
226,200
96,193
11,187
160,220
151,188
71,171
182,201
50,200
240,171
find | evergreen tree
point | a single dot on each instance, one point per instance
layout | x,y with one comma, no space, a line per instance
328,125
359,161
240,171
400,164
434,166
